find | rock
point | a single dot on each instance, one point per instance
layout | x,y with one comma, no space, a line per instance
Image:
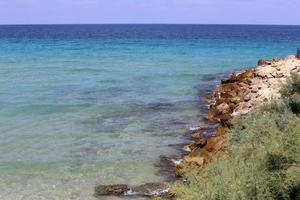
290,57
241,77
179,170
295,69
276,59
176,162
193,129
210,117
223,108
215,144
203,127
242,109
191,160
264,62
198,144
172,193
201,143
187,148
265,72
232,105
222,130
279,75
225,120
254,90
118,190
235,100
197,135
247,98
275,84
150,189
247,74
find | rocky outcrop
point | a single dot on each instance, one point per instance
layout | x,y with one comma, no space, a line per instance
236,96
147,190
104,190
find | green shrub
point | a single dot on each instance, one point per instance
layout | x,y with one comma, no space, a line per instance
263,162
291,92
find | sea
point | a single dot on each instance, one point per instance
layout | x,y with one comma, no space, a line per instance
82,105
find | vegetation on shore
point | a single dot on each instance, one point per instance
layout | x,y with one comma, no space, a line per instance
263,161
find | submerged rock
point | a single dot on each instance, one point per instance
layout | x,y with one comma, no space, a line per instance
150,189
147,189
104,190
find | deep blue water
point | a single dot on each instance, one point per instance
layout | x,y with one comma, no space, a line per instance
87,104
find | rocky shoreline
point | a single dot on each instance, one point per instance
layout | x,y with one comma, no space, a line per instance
235,97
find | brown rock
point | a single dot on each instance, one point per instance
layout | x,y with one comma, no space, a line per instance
247,74
227,120
209,117
150,189
241,77
102,190
187,148
264,62
223,108
224,119
214,144
198,144
172,192
197,135
235,100
232,106
203,127
222,130
201,143
179,170
197,160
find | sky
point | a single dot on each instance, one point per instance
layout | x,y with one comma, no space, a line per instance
150,11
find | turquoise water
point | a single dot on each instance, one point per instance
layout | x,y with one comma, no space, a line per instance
82,105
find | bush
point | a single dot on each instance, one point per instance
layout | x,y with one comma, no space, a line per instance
291,92
263,162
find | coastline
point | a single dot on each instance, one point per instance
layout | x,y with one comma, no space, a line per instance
235,96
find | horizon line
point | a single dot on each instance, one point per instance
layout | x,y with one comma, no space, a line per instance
216,24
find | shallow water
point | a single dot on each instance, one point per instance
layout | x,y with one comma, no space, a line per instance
88,104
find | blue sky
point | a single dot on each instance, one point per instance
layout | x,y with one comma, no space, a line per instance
150,11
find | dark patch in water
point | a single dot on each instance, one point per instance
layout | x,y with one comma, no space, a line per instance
175,122
88,70
160,106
